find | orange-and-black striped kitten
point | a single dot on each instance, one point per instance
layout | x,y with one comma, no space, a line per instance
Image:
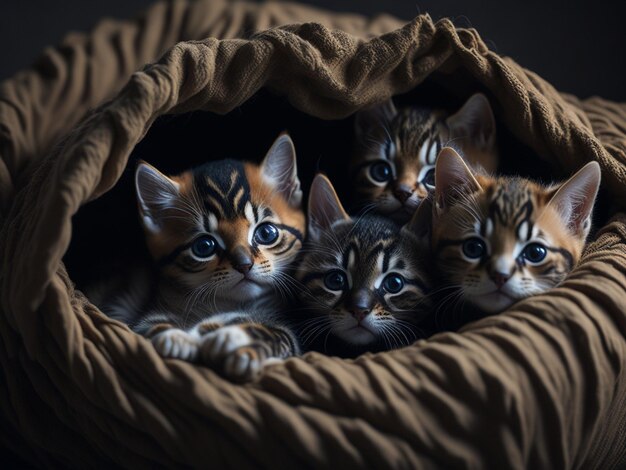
393,167
497,240
364,287
222,235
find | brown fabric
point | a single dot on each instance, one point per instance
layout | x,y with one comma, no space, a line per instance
542,386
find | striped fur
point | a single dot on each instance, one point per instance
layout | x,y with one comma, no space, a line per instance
404,144
497,240
218,293
362,315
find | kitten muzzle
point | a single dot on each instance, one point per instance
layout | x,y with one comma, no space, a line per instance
402,193
360,304
241,259
499,278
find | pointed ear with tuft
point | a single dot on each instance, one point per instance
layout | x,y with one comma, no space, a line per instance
325,209
453,180
155,193
575,198
279,169
474,121
369,121
421,222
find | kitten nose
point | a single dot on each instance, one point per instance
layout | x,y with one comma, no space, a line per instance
360,304
402,192
244,268
499,278
359,313
241,260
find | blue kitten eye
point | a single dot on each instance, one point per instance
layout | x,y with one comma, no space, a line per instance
204,246
535,252
266,234
393,283
335,280
429,178
474,248
380,172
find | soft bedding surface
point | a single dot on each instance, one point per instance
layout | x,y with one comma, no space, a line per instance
540,386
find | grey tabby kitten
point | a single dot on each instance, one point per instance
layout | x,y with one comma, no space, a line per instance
393,167
364,283
221,235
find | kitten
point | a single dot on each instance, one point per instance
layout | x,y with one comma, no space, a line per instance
499,240
364,288
393,167
222,236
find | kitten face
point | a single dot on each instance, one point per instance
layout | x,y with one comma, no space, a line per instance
362,278
503,239
394,166
226,229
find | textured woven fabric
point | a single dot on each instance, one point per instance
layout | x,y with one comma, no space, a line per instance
541,386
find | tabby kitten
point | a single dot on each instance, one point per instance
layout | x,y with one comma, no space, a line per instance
393,167
499,240
222,235
364,288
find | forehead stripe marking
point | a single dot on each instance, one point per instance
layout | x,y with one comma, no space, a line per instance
205,223
346,254
220,186
386,258
525,212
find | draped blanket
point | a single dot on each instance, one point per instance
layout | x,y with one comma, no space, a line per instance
542,385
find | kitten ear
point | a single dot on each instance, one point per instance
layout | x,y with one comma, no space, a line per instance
575,198
279,169
421,222
324,206
155,193
453,179
369,120
474,120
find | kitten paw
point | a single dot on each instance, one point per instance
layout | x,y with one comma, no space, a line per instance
245,363
242,365
217,344
176,344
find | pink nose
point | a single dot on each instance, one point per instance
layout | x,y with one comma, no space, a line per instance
499,278
359,313
243,268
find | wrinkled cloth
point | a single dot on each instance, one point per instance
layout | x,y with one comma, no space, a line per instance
539,386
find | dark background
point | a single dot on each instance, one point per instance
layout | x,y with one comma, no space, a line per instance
579,46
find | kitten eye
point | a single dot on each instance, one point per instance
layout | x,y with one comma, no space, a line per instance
203,247
335,280
429,178
474,248
535,252
380,172
393,283
266,234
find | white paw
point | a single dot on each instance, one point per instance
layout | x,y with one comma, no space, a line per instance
217,344
177,344
242,365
